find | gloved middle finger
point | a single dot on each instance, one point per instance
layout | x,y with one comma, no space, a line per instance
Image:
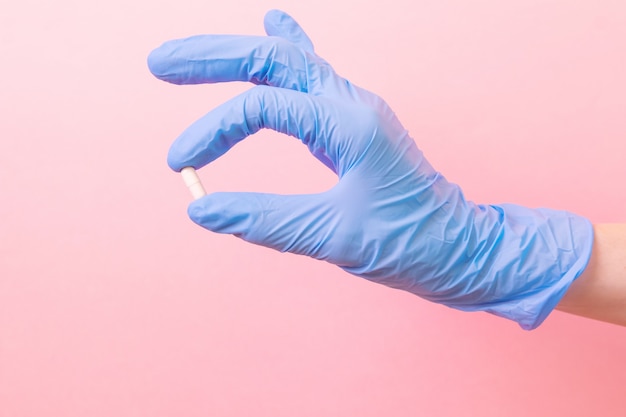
268,60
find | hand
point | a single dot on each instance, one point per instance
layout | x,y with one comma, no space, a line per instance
391,218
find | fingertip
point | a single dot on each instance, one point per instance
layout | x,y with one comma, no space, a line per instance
271,21
222,213
157,61
173,161
167,64
196,210
209,212
279,23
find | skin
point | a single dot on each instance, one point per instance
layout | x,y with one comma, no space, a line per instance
600,292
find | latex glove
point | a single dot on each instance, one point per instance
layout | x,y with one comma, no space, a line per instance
391,218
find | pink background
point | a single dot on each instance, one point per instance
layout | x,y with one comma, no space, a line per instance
113,303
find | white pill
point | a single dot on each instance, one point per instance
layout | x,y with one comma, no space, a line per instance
193,182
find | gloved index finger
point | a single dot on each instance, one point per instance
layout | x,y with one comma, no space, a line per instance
290,112
268,60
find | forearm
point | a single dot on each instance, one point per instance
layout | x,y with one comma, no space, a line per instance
600,292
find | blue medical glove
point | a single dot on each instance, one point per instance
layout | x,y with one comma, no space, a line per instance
391,218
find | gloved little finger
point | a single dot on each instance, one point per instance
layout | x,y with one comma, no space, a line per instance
279,23
288,223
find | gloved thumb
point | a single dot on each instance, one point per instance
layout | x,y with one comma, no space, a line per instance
288,223
279,23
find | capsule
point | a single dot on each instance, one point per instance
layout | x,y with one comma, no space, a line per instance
192,181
